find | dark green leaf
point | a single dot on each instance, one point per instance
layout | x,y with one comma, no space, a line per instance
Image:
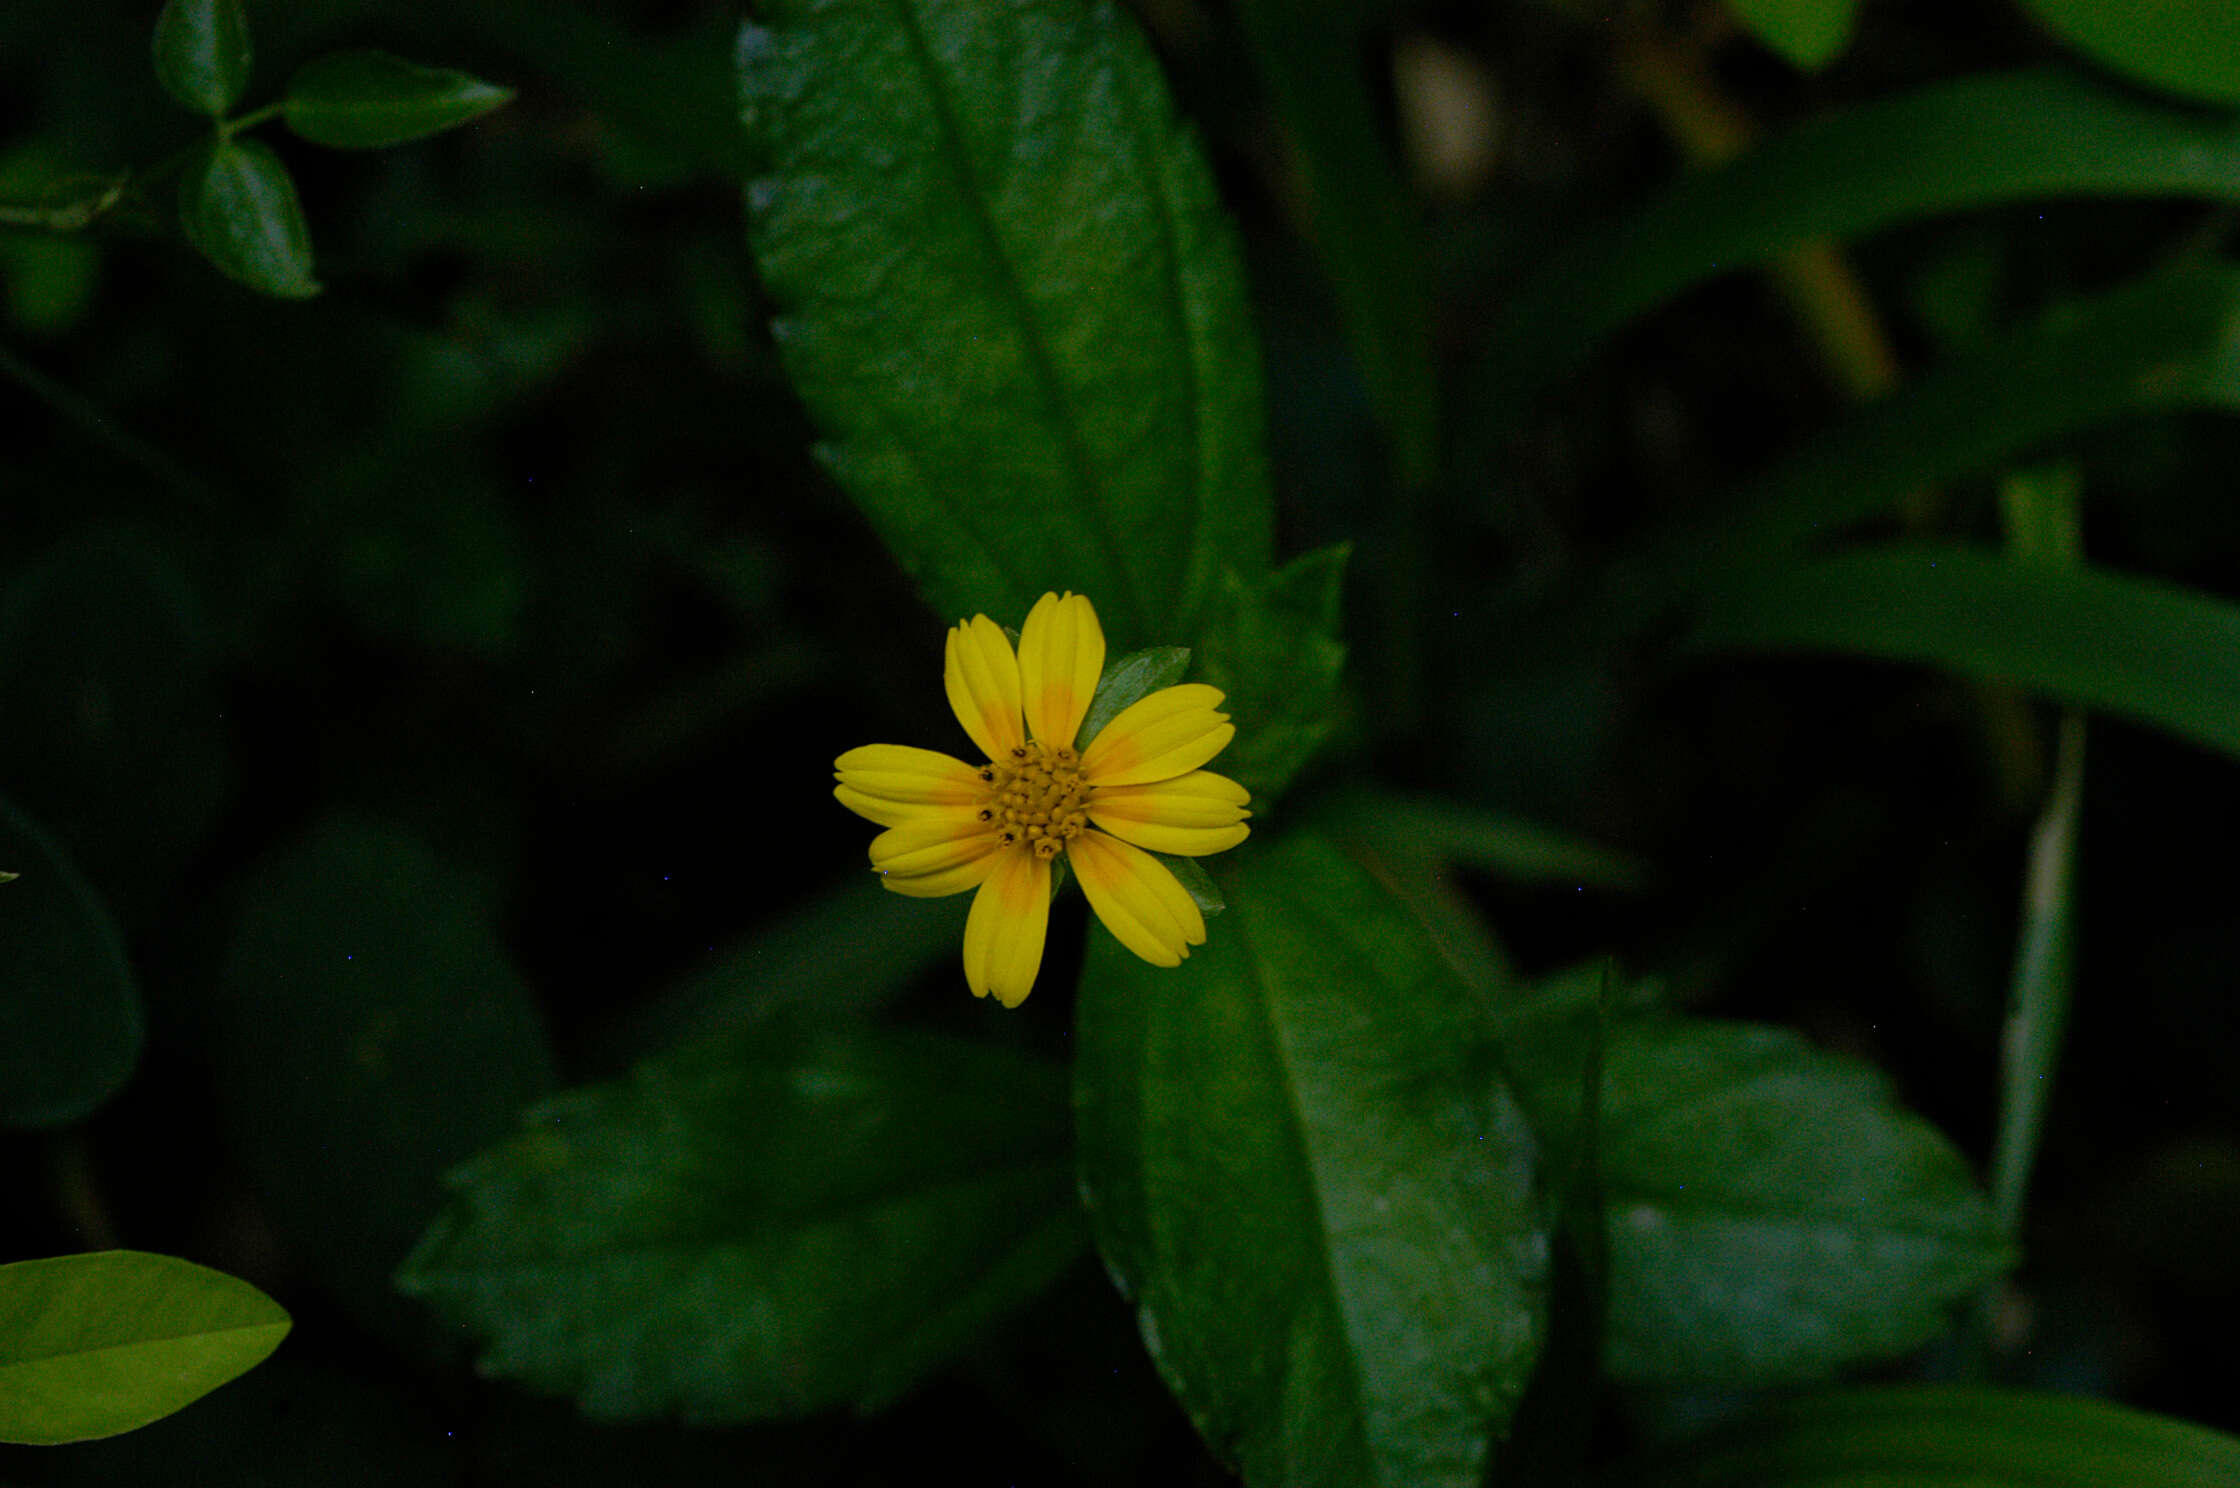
1772,1214
373,1034
1937,1436
2133,646
2164,341
69,1011
202,53
1273,649
91,1345
239,207
1302,1175
1454,832
1807,32
115,736
1196,882
2187,47
1956,145
1130,680
760,1224
1011,298
1362,216
364,100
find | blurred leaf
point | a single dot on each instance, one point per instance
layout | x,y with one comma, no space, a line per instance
202,53
1808,32
2132,646
2187,47
91,1345
1301,1174
1362,216
760,1224
1129,680
1772,1213
1956,145
1502,845
69,1011
239,208
1011,298
1943,1436
365,100
2164,341
1272,647
115,736
372,1034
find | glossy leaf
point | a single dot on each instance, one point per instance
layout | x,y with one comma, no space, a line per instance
91,1345
1970,143
2187,47
239,207
2132,646
202,53
1273,649
760,1224
70,1024
372,1033
1808,32
1943,1436
1303,1178
364,100
1771,1213
1010,297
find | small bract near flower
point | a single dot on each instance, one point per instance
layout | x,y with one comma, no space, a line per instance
999,827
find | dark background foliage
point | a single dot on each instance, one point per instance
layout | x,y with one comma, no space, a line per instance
495,588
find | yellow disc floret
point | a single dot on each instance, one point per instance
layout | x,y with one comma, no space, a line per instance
1039,800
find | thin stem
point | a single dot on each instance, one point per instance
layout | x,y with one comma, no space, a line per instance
77,409
69,217
228,128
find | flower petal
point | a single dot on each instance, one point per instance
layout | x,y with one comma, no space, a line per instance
945,851
982,676
1169,733
1191,815
1003,935
893,784
1140,902
1061,656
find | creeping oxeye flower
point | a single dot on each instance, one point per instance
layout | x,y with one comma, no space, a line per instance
1000,826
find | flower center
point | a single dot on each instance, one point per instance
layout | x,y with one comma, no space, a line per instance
1036,798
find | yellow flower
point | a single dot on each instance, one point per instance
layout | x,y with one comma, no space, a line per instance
999,827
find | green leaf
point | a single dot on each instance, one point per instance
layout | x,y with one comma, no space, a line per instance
2132,646
1196,882
372,1033
1055,384
365,100
1771,1213
202,53
91,1345
239,207
1453,832
1943,1436
1303,1177
1808,32
760,1224
1956,145
2187,47
1273,649
2164,341
1130,680
70,1023
1362,216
